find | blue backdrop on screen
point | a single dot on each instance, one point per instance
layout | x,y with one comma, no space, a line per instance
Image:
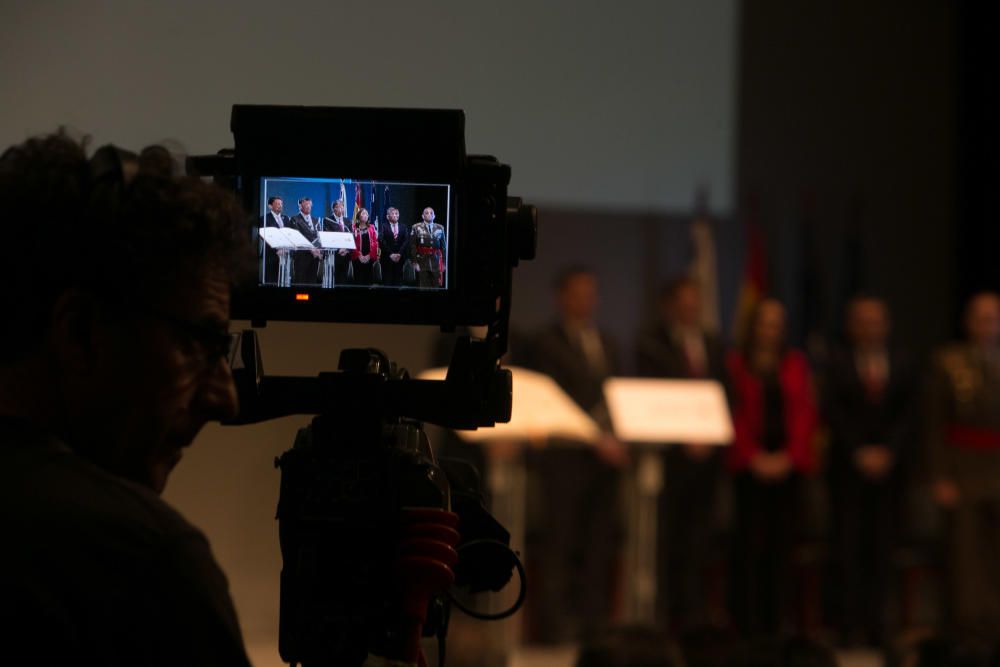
376,196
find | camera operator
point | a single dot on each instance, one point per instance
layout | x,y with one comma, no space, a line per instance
112,359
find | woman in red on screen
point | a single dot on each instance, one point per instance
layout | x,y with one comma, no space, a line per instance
365,253
775,420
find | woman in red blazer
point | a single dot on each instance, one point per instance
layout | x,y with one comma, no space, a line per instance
365,249
775,419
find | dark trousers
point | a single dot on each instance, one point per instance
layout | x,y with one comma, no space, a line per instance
305,268
687,511
865,519
362,273
973,578
575,541
392,272
341,263
270,259
427,278
764,532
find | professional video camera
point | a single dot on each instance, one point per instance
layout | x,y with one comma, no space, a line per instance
367,514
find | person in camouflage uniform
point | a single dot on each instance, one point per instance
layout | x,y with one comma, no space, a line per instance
963,430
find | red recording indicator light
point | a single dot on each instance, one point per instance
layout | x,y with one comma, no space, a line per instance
301,297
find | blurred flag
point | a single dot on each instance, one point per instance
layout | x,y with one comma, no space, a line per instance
372,210
358,203
343,195
754,285
703,269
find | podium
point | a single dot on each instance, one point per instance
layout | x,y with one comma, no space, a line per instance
331,242
649,415
541,411
288,240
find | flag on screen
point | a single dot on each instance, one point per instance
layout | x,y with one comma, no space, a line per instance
343,195
358,203
372,211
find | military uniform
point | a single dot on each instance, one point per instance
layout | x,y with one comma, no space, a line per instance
427,252
963,446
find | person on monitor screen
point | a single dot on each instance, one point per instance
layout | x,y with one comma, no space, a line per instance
273,217
306,264
110,365
427,250
342,256
395,238
366,251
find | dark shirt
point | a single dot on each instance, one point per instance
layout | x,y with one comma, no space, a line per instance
366,246
97,570
773,439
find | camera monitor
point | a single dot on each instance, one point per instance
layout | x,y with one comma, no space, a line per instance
370,215
346,233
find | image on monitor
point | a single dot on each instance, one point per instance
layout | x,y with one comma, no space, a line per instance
337,233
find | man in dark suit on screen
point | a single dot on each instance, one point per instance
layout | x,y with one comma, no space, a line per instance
272,218
341,257
393,239
305,267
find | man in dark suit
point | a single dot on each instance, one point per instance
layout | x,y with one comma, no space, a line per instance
393,239
677,346
341,257
305,269
870,407
272,218
579,531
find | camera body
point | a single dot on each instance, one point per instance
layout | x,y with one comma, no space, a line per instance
356,478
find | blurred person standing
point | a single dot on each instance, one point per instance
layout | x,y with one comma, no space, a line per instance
677,347
869,404
578,529
775,419
963,447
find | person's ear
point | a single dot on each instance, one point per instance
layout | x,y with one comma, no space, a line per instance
75,331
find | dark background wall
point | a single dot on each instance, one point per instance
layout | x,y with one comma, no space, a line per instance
847,152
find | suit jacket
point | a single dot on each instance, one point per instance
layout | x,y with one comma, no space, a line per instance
800,415
267,220
659,355
856,419
392,245
563,359
311,233
962,421
330,225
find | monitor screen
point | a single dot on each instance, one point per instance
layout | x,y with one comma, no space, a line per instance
343,233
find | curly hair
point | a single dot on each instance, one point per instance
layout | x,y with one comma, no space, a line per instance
128,235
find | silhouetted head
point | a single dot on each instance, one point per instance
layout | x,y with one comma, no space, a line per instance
116,302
